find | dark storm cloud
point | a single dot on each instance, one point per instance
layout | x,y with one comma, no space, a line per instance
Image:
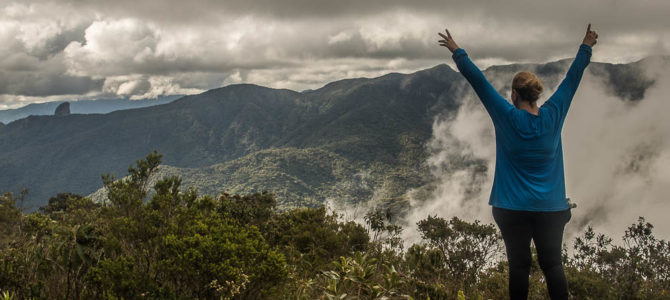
36,84
626,14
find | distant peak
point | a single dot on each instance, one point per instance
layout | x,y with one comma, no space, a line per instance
63,109
654,59
247,86
438,69
244,85
441,67
528,65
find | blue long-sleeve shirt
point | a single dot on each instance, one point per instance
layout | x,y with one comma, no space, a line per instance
529,156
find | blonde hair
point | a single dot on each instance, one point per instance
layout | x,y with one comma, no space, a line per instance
527,85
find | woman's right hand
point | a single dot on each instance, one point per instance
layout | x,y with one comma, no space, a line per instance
591,37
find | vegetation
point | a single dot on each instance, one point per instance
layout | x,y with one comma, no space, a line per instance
173,243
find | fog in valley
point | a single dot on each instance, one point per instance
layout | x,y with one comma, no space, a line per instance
616,154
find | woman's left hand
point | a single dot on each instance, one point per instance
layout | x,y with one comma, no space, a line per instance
448,41
591,37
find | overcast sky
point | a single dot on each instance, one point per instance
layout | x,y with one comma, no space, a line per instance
74,49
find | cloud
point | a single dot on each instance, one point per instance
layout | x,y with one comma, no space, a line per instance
339,37
617,155
32,84
113,48
296,42
462,161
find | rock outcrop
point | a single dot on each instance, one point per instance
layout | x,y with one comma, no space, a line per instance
63,109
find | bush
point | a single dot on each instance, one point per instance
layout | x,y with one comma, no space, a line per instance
178,244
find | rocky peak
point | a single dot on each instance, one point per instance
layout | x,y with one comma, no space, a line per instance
63,109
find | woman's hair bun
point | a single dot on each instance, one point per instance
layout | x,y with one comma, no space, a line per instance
528,86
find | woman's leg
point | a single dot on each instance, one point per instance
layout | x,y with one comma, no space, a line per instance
548,238
516,230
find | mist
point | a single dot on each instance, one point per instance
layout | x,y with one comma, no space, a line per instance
616,155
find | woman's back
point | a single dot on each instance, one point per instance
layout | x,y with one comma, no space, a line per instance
529,163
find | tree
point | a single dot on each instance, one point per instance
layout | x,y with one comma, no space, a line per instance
638,269
456,251
128,194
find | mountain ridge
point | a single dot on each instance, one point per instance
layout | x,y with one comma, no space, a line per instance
379,125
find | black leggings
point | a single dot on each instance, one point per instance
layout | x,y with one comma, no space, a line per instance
546,230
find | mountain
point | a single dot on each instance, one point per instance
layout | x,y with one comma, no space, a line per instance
100,106
352,140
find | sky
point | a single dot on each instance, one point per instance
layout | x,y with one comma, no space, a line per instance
74,49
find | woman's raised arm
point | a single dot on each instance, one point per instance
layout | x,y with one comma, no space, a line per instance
562,98
494,103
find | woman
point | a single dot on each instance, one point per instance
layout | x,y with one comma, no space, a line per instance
528,193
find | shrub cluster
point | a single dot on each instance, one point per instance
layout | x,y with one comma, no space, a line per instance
178,244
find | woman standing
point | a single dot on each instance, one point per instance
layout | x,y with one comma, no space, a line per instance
528,193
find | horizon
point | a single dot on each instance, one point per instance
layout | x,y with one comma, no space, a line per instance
448,64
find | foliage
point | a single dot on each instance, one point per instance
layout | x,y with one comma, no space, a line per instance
174,243
638,269
360,277
384,232
456,251
10,216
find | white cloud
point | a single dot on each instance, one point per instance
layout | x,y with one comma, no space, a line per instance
233,78
165,85
112,47
339,37
133,87
389,31
616,156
